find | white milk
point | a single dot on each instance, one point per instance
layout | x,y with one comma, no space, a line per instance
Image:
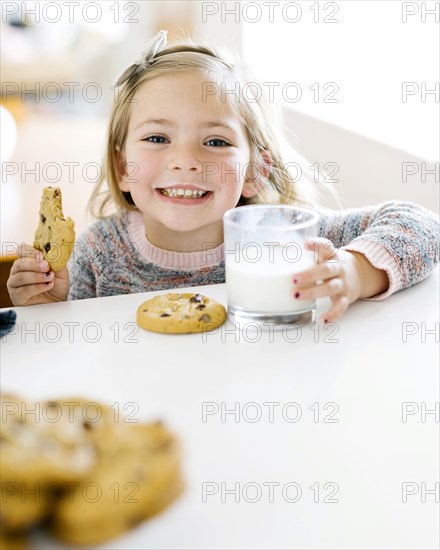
265,285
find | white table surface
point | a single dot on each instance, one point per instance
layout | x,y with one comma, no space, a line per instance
365,369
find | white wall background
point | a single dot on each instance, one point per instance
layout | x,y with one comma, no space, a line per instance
363,51
354,78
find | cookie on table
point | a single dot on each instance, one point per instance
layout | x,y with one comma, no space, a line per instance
137,476
13,541
99,422
175,313
73,466
41,449
55,235
24,504
40,443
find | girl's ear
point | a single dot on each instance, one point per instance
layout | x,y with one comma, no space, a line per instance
121,170
255,175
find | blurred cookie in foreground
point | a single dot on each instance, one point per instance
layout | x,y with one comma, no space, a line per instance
13,541
55,235
75,467
136,477
39,443
175,313
40,450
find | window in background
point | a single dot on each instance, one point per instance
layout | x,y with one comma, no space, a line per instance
369,67
41,32
51,53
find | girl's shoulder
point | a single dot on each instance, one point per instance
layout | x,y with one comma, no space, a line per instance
389,209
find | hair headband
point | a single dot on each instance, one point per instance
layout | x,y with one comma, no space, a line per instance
146,59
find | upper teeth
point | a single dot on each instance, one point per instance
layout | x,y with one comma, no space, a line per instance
194,193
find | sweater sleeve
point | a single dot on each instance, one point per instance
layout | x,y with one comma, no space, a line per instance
399,237
82,274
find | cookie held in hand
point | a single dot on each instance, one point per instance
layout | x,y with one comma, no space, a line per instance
175,313
55,235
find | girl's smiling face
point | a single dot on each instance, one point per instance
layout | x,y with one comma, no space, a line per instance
187,155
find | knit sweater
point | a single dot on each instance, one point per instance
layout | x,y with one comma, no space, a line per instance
113,256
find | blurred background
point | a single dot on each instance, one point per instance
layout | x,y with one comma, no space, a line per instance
358,82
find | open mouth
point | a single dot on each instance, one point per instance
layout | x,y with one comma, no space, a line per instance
183,193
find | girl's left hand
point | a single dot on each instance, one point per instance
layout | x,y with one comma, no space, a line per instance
337,274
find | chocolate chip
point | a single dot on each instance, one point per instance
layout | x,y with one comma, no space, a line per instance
139,475
43,218
163,446
135,520
201,306
196,299
165,315
47,247
205,318
87,426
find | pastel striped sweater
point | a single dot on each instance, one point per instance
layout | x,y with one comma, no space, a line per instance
113,256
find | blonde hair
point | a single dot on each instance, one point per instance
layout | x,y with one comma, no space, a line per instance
275,180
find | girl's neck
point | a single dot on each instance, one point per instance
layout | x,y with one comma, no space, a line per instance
201,239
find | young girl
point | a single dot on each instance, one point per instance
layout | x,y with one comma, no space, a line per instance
181,150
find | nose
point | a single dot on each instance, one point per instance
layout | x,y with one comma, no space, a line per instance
183,157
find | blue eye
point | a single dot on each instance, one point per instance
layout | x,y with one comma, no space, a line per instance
155,139
218,142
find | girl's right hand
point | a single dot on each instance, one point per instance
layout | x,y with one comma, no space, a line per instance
31,282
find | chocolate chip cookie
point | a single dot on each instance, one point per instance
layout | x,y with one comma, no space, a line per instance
39,443
74,466
137,475
40,450
55,235
176,313
13,541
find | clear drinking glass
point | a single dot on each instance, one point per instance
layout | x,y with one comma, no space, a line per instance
264,247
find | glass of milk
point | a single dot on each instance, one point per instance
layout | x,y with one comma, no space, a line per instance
264,247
